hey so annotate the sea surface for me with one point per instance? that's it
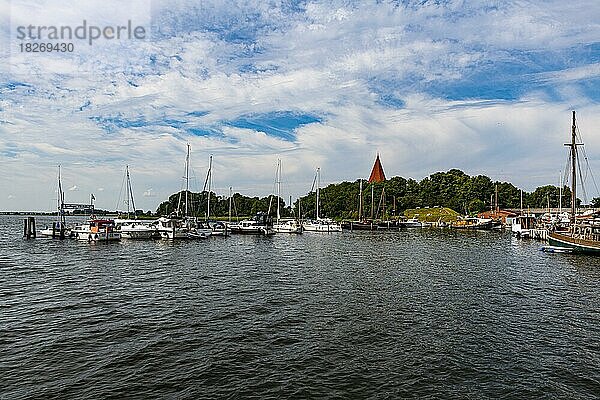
(412, 314)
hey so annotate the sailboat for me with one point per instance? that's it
(133, 228)
(362, 224)
(583, 234)
(289, 225)
(320, 224)
(59, 228)
(180, 226)
(217, 228)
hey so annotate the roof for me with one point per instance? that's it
(377, 174)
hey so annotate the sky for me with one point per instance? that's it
(483, 86)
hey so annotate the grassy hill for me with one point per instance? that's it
(432, 214)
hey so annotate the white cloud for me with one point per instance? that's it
(330, 60)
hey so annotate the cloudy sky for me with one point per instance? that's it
(484, 86)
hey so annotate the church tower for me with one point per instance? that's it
(377, 174)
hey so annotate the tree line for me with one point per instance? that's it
(453, 189)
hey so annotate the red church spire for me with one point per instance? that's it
(377, 174)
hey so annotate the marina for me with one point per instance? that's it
(577, 232)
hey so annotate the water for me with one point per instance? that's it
(418, 314)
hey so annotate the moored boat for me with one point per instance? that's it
(580, 239)
(523, 225)
(583, 234)
(473, 223)
(410, 223)
(261, 224)
(97, 231)
(136, 229)
(287, 226)
(320, 224)
(172, 228)
(59, 228)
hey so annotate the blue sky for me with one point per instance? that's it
(483, 86)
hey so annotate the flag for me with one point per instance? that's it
(93, 197)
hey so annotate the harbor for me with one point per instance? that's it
(577, 231)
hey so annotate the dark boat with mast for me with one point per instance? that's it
(583, 235)
(59, 228)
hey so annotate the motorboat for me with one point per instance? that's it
(136, 229)
(261, 224)
(473, 223)
(97, 231)
(288, 226)
(410, 223)
(321, 225)
(172, 228)
(523, 225)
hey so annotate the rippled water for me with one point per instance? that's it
(419, 314)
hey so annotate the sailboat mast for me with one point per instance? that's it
(127, 188)
(573, 167)
(496, 199)
(59, 194)
(209, 187)
(129, 193)
(560, 185)
(372, 199)
(230, 199)
(187, 178)
(360, 201)
(278, 187)
(60, 200)
(318, 188)
(521, 201)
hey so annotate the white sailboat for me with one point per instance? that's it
(178, 226)
(133, 228)
(217, 228)
(288, 225)
(320, 224)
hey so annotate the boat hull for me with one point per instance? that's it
(137, 234)
(322, 228)
(580, 246)
(98, 237)
(409, 224)
(287, 229)
(360, 226)
(252, 231)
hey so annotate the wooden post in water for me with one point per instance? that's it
(29, 228)
(53, 230)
